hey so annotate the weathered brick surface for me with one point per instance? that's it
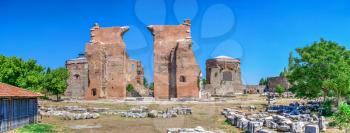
(186, 66)
(107, 63)
(166, 65)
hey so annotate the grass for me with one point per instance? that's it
(207, 115)
(37, 128)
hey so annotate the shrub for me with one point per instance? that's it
(280, 90)
(327, 108)
(342, 116)
(130, 88)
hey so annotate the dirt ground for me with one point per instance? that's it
(207, 115)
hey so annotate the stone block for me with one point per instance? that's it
(311, 129)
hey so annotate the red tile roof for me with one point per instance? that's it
(7, 90)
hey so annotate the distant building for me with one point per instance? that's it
(78, 79)
(223, 76)
(254, 89)
(18, 107)
(273, 82)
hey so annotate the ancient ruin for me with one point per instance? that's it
(273, 82)
(223, 76)
(176, 71)
(106, 70)
(78, 79)
(254, 89)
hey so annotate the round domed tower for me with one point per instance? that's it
(223, 76)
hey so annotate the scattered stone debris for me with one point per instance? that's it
(198, 129)
(280, 119)
(69, 113)
(295, 108)
(78, 113)
(143, 112)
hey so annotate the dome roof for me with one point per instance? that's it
(226, 58)
(223, 57)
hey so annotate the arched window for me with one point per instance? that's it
(182, 79)
(76, 76)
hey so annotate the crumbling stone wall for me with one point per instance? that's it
(254, 89)
(78, 78)
(187, 71)
(108, 61)
(223, 76)
(273, 82)
(170, 62)
(135, 77)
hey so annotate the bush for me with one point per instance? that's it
(130, 88)
(280, 90)
(327, 108)
(342, 116)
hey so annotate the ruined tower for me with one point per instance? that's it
(176, 71)
(223, 76)
(107, 61)
(78, 78)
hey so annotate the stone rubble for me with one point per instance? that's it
(69, 113)
(281, 119)
(77, 113)
(143, 112)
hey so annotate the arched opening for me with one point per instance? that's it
(182, 79)
(93, 92)
(76, 76)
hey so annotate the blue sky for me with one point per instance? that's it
(260, 33)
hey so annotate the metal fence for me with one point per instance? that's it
(16, 112)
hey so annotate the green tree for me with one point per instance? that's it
(342, 117)
(24, 74)
(286, 71)
(280, 89)
(290, 61)
(145, 82)
(151, 86)
(56, 81)
(204, 81)
(321, 67)
(129, 88)
(263, 81)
